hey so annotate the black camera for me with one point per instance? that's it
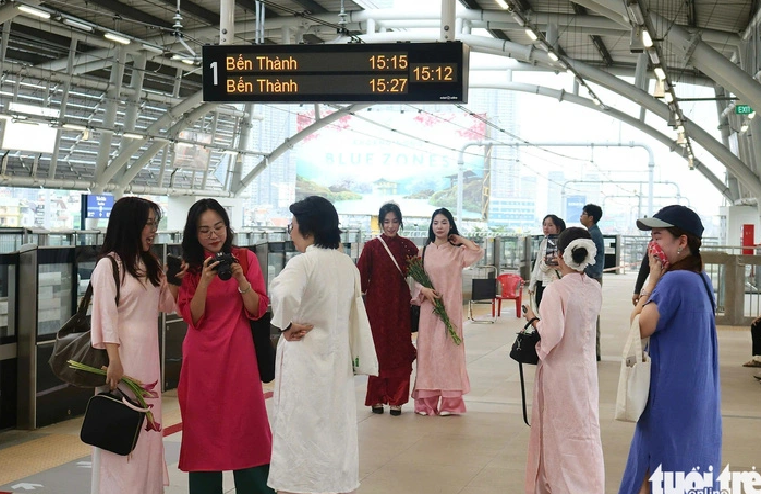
(174, 265)
(224, 268)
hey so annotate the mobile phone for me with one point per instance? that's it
(174, 265)
(524, 309)
(656, 250)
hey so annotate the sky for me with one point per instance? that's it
(544, 119)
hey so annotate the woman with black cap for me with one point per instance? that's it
(680, 428)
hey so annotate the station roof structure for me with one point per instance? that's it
(125, 75)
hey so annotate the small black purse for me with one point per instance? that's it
(524, 352)
(524, 346)
(112, 422)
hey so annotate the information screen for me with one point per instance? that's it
(378, 73)
(97, 206)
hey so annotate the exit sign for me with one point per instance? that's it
(743, 110)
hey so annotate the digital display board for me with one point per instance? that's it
(378, 73)
(97, 206)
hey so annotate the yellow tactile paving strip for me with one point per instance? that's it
(34, 456)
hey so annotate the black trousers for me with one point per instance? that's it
(247, 481)
(538, 292)
(755, 334)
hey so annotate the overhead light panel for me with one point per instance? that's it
(690, 162)
(78, 25)
(660, 89)
(153, 48)
(680, 128)
(654, 57)
(519, 19)
(33, 12)
(6, 93)
(597, 102)
(660, 73)
(503, 4)
(117, 39)
(38, 111)
(681, 139)
(744, 127)
(131, 135)
(646, 39)
(531, 34)
(668, 97)
(635, 12)
(751, 116)
(552, 56)
(74, 127)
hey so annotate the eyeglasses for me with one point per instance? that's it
(152, 225)
(289, 229)
(206, 231)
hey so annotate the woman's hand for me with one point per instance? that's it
(656, 269)
(430, 294)
(635, 298)
(114, 373)
(529, 314)
(209, 270)
(456, 239)
(297, 331)
(237, 271)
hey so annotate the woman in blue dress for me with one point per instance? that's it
(680, 428)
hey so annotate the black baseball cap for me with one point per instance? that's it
(681, 217)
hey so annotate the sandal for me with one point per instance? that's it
(378, 408)
(395, 410)
(752, 363)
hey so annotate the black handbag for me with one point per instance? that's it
(524, 347)
(524, 352)
(260, 332)
(73, 343)
(112, 422)
(415, 318)
(265, 352)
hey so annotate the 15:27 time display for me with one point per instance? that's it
(392, 85)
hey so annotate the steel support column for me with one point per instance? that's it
(64, 100)
(112, 105)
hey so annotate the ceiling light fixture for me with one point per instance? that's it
(646, 39)
(531, 34)
(117, 38)
(34, 12)
(74, 127)
(660, 73)
(78, 25)
(132, 135)
(552, 56)
(668, 97)
(503, 4)
(153, 48)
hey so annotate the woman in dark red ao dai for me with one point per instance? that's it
(387, 301)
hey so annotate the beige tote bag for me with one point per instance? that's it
(634, 378)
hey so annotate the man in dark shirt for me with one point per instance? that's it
(590, 216)
(644, 272)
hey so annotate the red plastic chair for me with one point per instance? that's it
(512, 289)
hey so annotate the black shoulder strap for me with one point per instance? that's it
(426, 245)
(523, 394)
(117, 282)
(85, 303)
(708, 291)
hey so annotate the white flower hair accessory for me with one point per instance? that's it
(576, 244)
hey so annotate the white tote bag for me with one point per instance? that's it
(364, 360)
(634, 379)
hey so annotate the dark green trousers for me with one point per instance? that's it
(247, 481)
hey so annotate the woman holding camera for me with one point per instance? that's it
(565, 448)
(543, 274)
(225, 424)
